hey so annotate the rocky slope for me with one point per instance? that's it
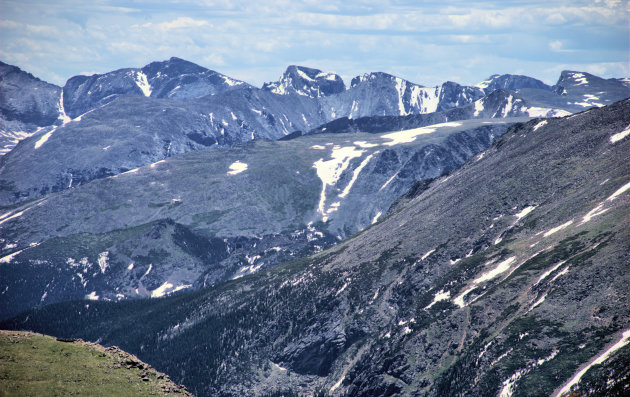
(505, 277)
(34, 364)
(209, 216)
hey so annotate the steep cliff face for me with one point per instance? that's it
(505, 277)
(26, 104)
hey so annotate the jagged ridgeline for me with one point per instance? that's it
(103, 125)
(508, 276)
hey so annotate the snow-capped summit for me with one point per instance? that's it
(178, 78)
(175, 78)
(585, 90)
(307, 82)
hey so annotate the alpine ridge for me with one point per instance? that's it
(134, 117)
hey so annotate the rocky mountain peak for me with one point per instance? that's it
(173, 66)
(511, 82)
(376, 77)
(306, 81)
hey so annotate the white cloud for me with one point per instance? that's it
(178, 23)
(555, 45)
(255, 41)
(555, 19)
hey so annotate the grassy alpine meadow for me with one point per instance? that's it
(40, 365)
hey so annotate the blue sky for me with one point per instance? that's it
(427, 42)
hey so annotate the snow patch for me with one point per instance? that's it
(342, 288)
(613, 196)
(364, 144)
(161, 290)
(478, 108)
(44, 138)
(329, 171)
(148, 270)
(502, 267)
(484, 84)
(143, 83)
(181, 287)
(459, 300)
(237, 167)
(13, 216)
(378, 215)
(407, 136)
(623, 341)
(388, 181)
(92, 296)
(133, 171)
(62, 111)
(579, 78)
(548, 272)
(510, 383)
(278, 367)
(102, 261)
(304, 75)
(9, 258)
(542, 123)
(426, 255)
(538, 302)
(562, 273)
(401, 85)
(524, 212)
(355, 174)
(336, 385)
(439, 296)
(594, 212)
(231, 82)
(557, 228)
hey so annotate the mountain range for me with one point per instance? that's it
(505, 277)
(313, 238)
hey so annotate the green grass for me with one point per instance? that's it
(39, 365)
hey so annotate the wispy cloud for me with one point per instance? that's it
(178, 23)
(255, 41)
